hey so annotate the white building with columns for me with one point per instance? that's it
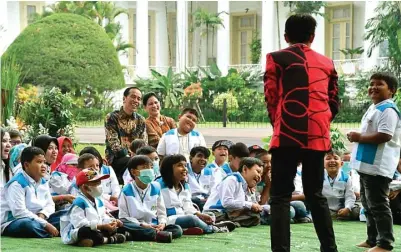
(164, 35)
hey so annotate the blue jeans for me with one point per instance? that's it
(189, 221)
(30, 228)
(148, 234)
(300, 209)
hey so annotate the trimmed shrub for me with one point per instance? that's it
(67, 51)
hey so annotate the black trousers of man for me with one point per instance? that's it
(284, 167)
(119, 165)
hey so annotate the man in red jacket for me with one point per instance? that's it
(301, 95)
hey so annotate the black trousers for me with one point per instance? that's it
(395, 206)
(119, 165)
(284, 167)
(95, 235)
(379, 220)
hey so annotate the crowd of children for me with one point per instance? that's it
(176, 189)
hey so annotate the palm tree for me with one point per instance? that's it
(207, 21)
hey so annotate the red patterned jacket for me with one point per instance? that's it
(301, 95)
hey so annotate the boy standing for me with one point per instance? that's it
(27, 208)
(375, 157)
(182, 139)
(86, 223)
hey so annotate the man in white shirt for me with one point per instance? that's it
(229, 200)
(27, 208)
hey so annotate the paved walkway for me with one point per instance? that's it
(248, 136)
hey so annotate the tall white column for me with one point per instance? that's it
(223, 37)
(3, 26)
(142, 38)
(319, 42)
(269, 29)
(123, 20)
(182, 35)
(161, 39)
(370, 62)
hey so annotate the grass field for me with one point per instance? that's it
(243, 239)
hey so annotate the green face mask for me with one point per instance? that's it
(146, 176)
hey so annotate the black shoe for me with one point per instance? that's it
(117, 238)
(228, 224)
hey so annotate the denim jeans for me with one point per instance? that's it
(379, 220)
(30, 228)
(189, 221)
(149, 234)
(300, 209)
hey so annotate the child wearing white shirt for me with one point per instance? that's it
(141, 205)
(27, 208)
(375, 157)
(230, 202)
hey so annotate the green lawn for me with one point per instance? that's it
(243, 239)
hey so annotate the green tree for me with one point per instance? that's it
(52, 112)
(67, 51)
(168, 86)
(256, 48)
(386, 26)
(305, 7)
(103, 13)
(206, 22)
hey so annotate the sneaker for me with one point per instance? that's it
(164, 237)
(128, 236)
(223, 229)
(228, 224)
(117, 238)
(193, 231)
(85, 243)
(304, 220)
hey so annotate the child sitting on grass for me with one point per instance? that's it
(87, 224)
(229, 200)
(141, 205)
(177, 199)
(337, 188)
(27, 208)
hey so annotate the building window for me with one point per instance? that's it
(30, 13)
(340, 30)
(243, 28)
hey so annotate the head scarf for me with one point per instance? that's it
(60, 154)
(15, 155)
(68, 165)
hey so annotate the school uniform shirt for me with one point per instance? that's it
(59, 183)
(110, 185)
(379, 159)
(216, 175)
(199, 183)
(83, 213)
(142, 205)
(177, 203)
(23, 197)
(338, 191)
(298, 182)
(229, 195)
(356, 184)
(174, 143)
(219, 174)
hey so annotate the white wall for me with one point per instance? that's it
(13, 24)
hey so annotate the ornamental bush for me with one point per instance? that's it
(67, 51)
